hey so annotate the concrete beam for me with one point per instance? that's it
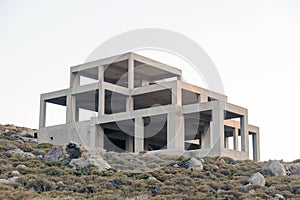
(101, 62)
(199, 90)
(164, 67)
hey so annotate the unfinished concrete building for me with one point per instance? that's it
(142, 105)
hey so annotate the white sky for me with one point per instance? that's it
(254, 44)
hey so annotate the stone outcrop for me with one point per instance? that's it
(274, 168)
(90, 159)
(293, 169)
(195, 165)
(257, 179)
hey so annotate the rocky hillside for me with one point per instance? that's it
(42, 171)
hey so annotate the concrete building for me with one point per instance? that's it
(142, 105)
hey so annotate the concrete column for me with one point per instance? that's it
(74, 79)
(138, 134)
(207, 136)
(218, 127)
(129, 101)
(176, 95)
(71, 109)
(130, 73)
(175, 131)
(43, 108)
(236, 139)
(96, 137)
(244, 133)
(101, 94)
(129, 143)
(256, 146)
(226, 142)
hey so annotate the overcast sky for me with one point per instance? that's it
(255, 46)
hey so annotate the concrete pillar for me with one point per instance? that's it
(138, 134)
(96, 137)
(207, 136)
(218, 127)
(176, 95)
(129, 101)
(43, 108)
(236, 139)
(256, 146)
(101, 94)
(74, 79)
(226, 142)
(130, 73)
(175, 131)
(72, 114)
(244, 133)
(129, 143)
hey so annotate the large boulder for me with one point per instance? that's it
(56, 153)
(69, 151)
(90, 159)
(293, 169)
(195, 165)
(257, 179)
(274, 168)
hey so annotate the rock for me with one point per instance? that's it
(90, 159)
(176, 165)
(152, 178)
(293, 169)
(70, 150)
(21, 166)
(222, 162)
(257, 179)
(15, 173)
(278, 196)
(25, 139)
(252, 192)
(22, 153)
(56, 153)
(3, 180)
(274, 168)
(195, 165)
(12, 179)
(73, 150)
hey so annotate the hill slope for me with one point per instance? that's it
(26, 174)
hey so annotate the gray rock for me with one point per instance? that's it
(195, 165)
(22, 153)
(25, 139)
(15, 173)
(56, 153)
(274, 168)
(12, 179)
(152, 178)
(21, 166)
(293, 169)
(70, 150)
(279, 196)
(252, 192)
(90, 159)
(257, 179)
(73, 150)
